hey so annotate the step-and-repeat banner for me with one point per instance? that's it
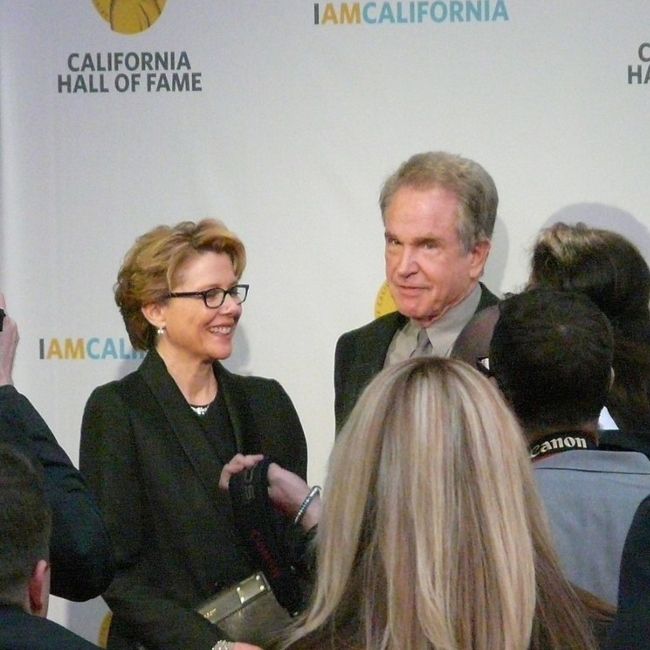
(283, 119)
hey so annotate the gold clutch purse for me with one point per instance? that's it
(247, 611)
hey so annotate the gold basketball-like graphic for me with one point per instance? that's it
(130, 16)
(384, 303)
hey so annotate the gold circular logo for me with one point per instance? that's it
(384, 303)
(130, 16)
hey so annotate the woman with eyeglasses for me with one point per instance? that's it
(153, 443)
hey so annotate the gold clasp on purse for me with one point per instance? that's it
(251, 587)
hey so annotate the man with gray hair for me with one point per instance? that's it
(438, 211)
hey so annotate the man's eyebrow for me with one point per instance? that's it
(418, 241)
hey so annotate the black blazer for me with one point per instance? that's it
(155, 473)
(80, 549)
(22, 631)
(631, 628)
(360, 355)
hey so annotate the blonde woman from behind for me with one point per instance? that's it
(432, 534)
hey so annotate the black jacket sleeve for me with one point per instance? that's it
(80, 549)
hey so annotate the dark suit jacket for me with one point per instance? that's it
(80, 549)
(617, 440)
(360, 355)
(22, 631)
(155, 471)
(631, 629)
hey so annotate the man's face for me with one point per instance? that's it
(427, 268)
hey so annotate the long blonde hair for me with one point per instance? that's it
(431, 530)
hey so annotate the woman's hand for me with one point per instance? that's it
(287, 490)
(237, 464)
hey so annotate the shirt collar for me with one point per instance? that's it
(442, 332)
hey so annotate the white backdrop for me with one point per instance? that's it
(287, 136)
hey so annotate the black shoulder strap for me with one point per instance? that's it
(259, 527)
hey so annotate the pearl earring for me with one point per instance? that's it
(160, 331)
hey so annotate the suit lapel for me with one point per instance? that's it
(373, 351)
(237, 406)
(487, 299)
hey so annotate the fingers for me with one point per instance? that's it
(237, 463)
(241, 462)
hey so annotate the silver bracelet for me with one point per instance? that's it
(313, 493)
(223, 645)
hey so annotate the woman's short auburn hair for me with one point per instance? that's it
(151, 267)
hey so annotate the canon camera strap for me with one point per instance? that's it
(556, 443)
(261, 531)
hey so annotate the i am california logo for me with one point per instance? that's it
(413, 12)
(93, 348)
(130, 16)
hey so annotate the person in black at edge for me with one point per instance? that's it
(631, 628)
(81, 556)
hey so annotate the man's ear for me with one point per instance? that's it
(154, 312)
(479, 254)
(39, 589)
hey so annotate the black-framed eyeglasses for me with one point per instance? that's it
(214, 298)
